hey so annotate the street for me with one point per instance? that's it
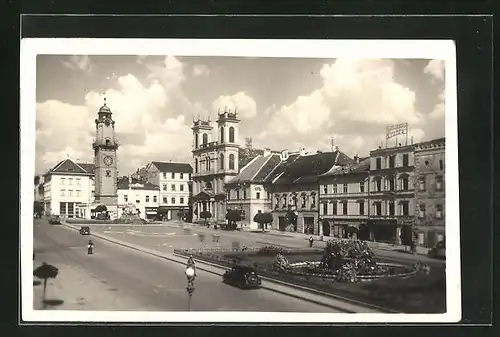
(118, 278)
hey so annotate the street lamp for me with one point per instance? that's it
(190, 274)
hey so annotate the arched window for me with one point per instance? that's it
(205, 139)
(222, 134)
(231, 161)
(377, 184)
(405, 182)
(231, 134)
(196, 164)
(221, 161)
(196, 141)
(207, 164)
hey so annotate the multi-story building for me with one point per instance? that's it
(343, 199)
(174, 181)
(430, 194)
(215, 163)
(246, 191)
(294, 187)
(392, 192)
(69, 189)
(38, 188)
(138, 197)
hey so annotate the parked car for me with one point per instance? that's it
(85, 230)
(439, 251)
(242, 276)
(55, 220)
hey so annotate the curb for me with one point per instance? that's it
(372, 308)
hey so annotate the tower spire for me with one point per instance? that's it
(104, 99)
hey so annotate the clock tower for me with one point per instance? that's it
(105, 146)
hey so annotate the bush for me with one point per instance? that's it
(270, 251)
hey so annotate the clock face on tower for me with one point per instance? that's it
(108, 160)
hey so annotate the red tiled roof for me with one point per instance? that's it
(173, 167)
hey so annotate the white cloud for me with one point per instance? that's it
(201, 70)
(439, 112)
(79, 62)
(246, 105)
(436, 69)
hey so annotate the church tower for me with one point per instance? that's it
(105, 146)
(228, 123)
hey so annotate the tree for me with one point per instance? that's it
(205, 215)
(101, 208)
(38, 207)
(233, 216)
(292, 218)
(45, 271)
(263, 219)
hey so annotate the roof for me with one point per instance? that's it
(123, 184)
(88, 167)
(173, 167)
(280, 168)
(361, 166)
(68, 166)
(438, 142)
(246, 155)
(257, 169)
(307, 169)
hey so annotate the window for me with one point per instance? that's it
(391, 184)
(231, 161)
(344, 208)
(268, 195)
(378, 185)
(276, 205)
(62, 208)
(313, 201)
(334, 208)
(325, 189)
(108, 173)
(378, 208)
(325, 208)
(205, 139)
(172, 200)
(244, 194)
(344, 188)
(125, 198)
(405, 160)
(379, 164)
(147, 198)
(421, 213)
(257, 195)
(284, 202)
(164, 175)
(361, 208)
(77, 193)
(70, 193)
(182, 175)
(231, 134)
(441, 164)
(439, 211)
(421, 184)
(334, 188)
(78, 181)
(196, 165)
(303, 202)
(137, 201)
(173, 175)
(196, 141)
(155, 198)
(63, 193)
(181, 187)
(181, 200)
(63, 180)
(392, 161)
(164, 187)
(237, 194)
(362, 186)
(439, 183)
(70, 181)
(165, 200)
(173, 187)
(405, 208)
(189, 176)
(404, 183)
(222, 134)
(391, 208)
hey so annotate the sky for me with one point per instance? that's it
(283, 103)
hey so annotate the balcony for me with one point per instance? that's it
(206, 145)
(105, 144)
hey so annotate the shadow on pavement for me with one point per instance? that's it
(36, 283)
(52, 302)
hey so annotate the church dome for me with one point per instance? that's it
(104, 108)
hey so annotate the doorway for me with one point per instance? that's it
(326, 228)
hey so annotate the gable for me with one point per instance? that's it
(68, 167)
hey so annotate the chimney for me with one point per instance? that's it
(267, 152)
(284, 155)
(336, 148)
(302, 151)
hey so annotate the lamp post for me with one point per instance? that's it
(190, 274)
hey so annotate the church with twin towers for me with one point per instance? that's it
(215, 161)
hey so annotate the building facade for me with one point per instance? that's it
(246, 191)
(343, 200)
(138, 197)
(69, 189)
(294, 188)
(105, 146)
(174, 180)
(392, 192)
(430, 194)
(216, 162)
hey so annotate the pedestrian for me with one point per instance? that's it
(90, 247)
(311, 241)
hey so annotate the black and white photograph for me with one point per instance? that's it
(181, 180)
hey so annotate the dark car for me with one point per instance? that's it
(55, 220)
(242, 276)
(85, 230)
(439, 251)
